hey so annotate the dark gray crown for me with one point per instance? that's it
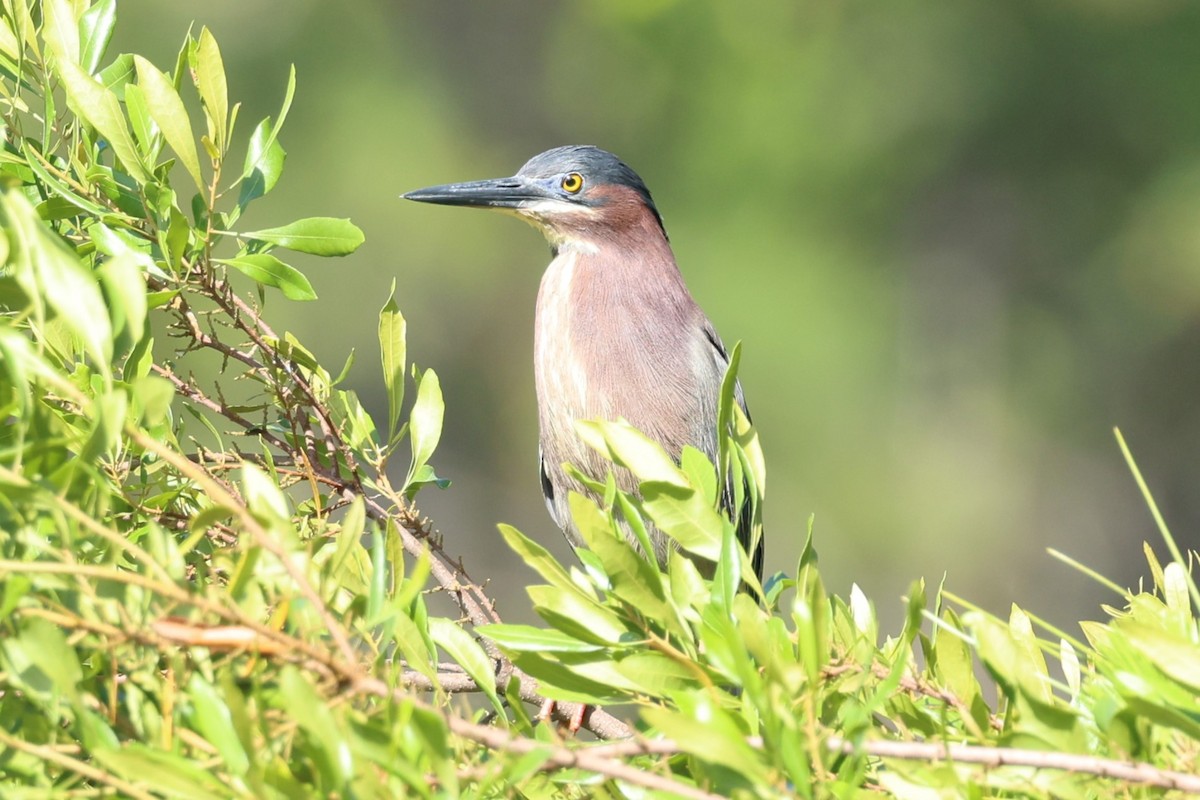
(595, 165)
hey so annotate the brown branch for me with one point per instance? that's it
(192, 392)
(474, 603)
(557, 756)
(222, 495)
(1126, 771)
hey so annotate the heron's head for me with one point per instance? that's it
(575, 194)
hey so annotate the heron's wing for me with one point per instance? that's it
(548, 491)
(744, 519)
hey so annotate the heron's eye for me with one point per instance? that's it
(572, 183)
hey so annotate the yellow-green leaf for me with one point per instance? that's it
(102, 111)
(214, 92)
(168, 112)
(392, 352)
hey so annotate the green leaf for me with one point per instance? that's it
(632, 577)
(125, 290)
(170, 774)
(330, 748)
(951, 660)
(60, 29)
(726, 403)
(1021, 628)
(348, 538)
(45, 267)
(141, 124)
(467, 653)
(577, 616)
(709, 735)
(528, 639)
(1175, 594)
(392, 352)
(102, 110)
(747, 439)
(632, 517)
(34, 160)
(700, 473)
(273, 130)
(630, 448)
(425, 422)
(561, 681)
(270, 271)
(95, 32)
(318, 236)
(116, 75)
(1176, 656)
(264, 164)
(167, 110)
(658, 675)
(42, 659)
(215, 723)
(263, 495)
(214, 93)
(538, 558)
(414, 646)
(686, 516)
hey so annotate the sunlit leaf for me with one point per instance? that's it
(630, 448)
(167, 110)
(214, 94)
(526, 638)
(319, 236)
(392, 353)
(100, 108)
(270, 271)
(425, 421)
(47, 268)
(467, 653)
(95, 32)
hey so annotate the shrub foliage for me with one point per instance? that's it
(214, 581)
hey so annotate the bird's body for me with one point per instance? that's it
(617, 334)
(618, 367)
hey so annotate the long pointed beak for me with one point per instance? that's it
(512, 192)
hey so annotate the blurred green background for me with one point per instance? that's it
(959, 241)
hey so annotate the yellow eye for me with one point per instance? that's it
(572, 183)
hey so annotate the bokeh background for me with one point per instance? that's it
(960, 242)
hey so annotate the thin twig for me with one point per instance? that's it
(221, 495)
(1127, 771)
(556, 756)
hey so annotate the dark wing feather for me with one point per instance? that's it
(548, 490)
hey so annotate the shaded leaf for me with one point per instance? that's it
(263, 165)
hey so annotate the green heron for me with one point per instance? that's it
(616, 334)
